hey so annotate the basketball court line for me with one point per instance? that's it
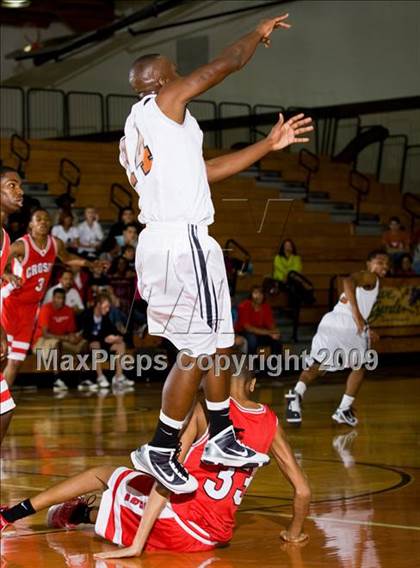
(335, 520)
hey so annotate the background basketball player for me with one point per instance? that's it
(33, 256)
(344, 332)
(181, 271)
(11, 200)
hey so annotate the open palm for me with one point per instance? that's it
(286, 133)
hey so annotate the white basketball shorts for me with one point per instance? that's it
(182, 277)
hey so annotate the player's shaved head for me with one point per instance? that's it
(150, 72)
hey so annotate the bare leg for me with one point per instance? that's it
(11, 371)
(180, 388)
(309, 375)
(94, 479)
(98, 369)
(354, 382)
(4, 424)
(119, 348)
(217, 383)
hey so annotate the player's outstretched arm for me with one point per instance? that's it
(173, 96)
(72, 259)
(302, 494)
(159, 495)
(282, 134)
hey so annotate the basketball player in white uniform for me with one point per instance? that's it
(180, 268)
(342, 340)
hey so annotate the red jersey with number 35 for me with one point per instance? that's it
(220, 490)
(35, 271)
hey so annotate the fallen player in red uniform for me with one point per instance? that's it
(137, 513)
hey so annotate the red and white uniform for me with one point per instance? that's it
(20, 305)
(6, 401)
(188, 523)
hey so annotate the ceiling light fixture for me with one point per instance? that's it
(15, 3)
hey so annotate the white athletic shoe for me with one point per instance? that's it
(346, 416)
(122, 381)
(60, 386)
(87, 386)
(293, 409)
(102, 382)
(225, 449)
(163, 465)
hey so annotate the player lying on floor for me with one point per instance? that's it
(137, 513)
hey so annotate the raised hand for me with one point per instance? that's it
(266, 27)
(286, 133)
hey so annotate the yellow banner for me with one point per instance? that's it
(398, 303)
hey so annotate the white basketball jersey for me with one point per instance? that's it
(167, 160)
(365, 300)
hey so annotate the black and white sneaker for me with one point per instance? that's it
(225, 449)
(293, 409)
(345, 417)
(163, 465)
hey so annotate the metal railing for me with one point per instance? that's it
(361, 185)
(20, 148)
(411, 204)
(116, 192)
(70, 174)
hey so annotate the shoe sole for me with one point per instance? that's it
(144, 468)
(228, 462)
(339, 421)
(294, 420)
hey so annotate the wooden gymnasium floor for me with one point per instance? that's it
(366, 491)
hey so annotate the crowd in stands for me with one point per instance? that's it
(94, 309)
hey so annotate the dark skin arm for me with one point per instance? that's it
(350, 283)
(71, 259)
(302, 494)
(282, 134)
(174, 96)
(159, 495)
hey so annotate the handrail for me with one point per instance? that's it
(406, 206)
(407, 148)
(32, 90)
(111, 96)
(243, 250)
(15, 140)
(89, 93)
(22, 106)
(71, 182)
(404, 138)
(310, 162)
(113, 197)
(361, 184)
(220, 107)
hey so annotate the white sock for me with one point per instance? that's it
(218, 405)
(346, 402)
(300, 388)
(177, 424)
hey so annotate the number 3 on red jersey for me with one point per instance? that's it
(226, 477)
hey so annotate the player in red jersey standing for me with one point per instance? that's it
(32, 257)
(11, 199)
(132, 511)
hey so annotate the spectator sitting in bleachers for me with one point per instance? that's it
(81, 278)
(287, 272)
(129, 253)
(416, 251)
(66, 283)
(66, 232)
(396, 240)
(100, 332)
(122, 281)
(129, 237)
(405, 266)
(56, 330)
(256, 323)
(126, 217)
(90, 234)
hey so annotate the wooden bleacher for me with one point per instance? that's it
(327, 248)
